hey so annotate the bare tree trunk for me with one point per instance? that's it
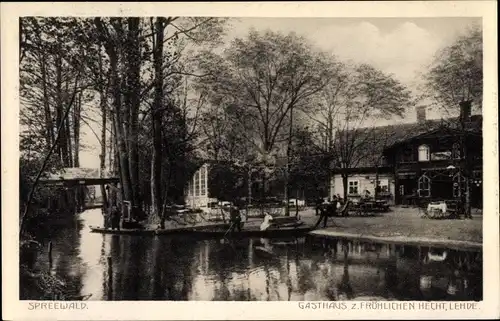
(154, 198)
(249, 201)
(465, 164)
(112, 158)
(156, 192)
(68, 144)
(102, 156)
(68, 131)
(76, 130)
(59, 119)
(118, 125)
(344, 183)
(49, 126)
(286, 190)
(133, 85)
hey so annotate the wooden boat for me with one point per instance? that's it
(264, 252)
(269, 233)
(185, 230)
(122, 231)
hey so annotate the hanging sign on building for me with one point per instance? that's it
(441, 155)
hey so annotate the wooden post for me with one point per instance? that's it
(110, 269)
(110, 277)
(104, 196)
(50, 255)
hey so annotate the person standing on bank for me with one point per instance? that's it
(319, 203)
(329, 209)
(115, 217)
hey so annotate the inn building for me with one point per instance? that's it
(419, 161)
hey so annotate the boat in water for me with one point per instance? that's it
(269, 233)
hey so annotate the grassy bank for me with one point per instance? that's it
(404, 223)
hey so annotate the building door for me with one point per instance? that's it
(442, 189)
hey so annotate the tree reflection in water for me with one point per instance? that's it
(175, 268)
(344, 288)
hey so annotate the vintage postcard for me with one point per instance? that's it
(291, 160)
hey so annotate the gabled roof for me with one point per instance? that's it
(71, 176)
(75, 173)
(376, 140)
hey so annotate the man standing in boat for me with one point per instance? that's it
(235, 216)
(115, 210)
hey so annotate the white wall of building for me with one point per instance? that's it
(196, 194)
(362, 182)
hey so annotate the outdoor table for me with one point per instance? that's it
(438, 208)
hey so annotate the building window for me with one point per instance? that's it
(197, 183)
(423, 153)
(353, 187)
(406, 156)
(383, 185)
(203, 181)
(424, 186)
(455, 152)
(190, 189)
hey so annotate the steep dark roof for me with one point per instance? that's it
(376, 140)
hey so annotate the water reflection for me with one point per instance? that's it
(164, 268)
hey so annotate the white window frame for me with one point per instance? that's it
(421, 181)
(190, 188)
(203, 182)
(424, 153)
(354, 185)
(386, 184)
(197, 183)
(456, 152)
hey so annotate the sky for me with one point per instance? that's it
(402, 47)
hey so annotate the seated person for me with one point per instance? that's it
(267, 222)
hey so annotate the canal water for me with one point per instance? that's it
(307, 268)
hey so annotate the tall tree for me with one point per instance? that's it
(52, 56)
(263, 77)
(354, 99)
(157, 112)
(111, 36)
(133, 56)
(455, 82)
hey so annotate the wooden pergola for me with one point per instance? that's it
(71, 182)
(77, 179)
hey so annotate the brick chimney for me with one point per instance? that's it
(465, 110)
(421, 117)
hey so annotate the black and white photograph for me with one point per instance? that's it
(227, 158)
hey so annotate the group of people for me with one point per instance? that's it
(236, 220)
(330, 208)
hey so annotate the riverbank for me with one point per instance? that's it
(400, 225)
(403, 225)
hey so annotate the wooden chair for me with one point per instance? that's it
(344, 208)
(422, 208)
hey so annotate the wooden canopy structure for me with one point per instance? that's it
(74, 183)
(77, 176)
